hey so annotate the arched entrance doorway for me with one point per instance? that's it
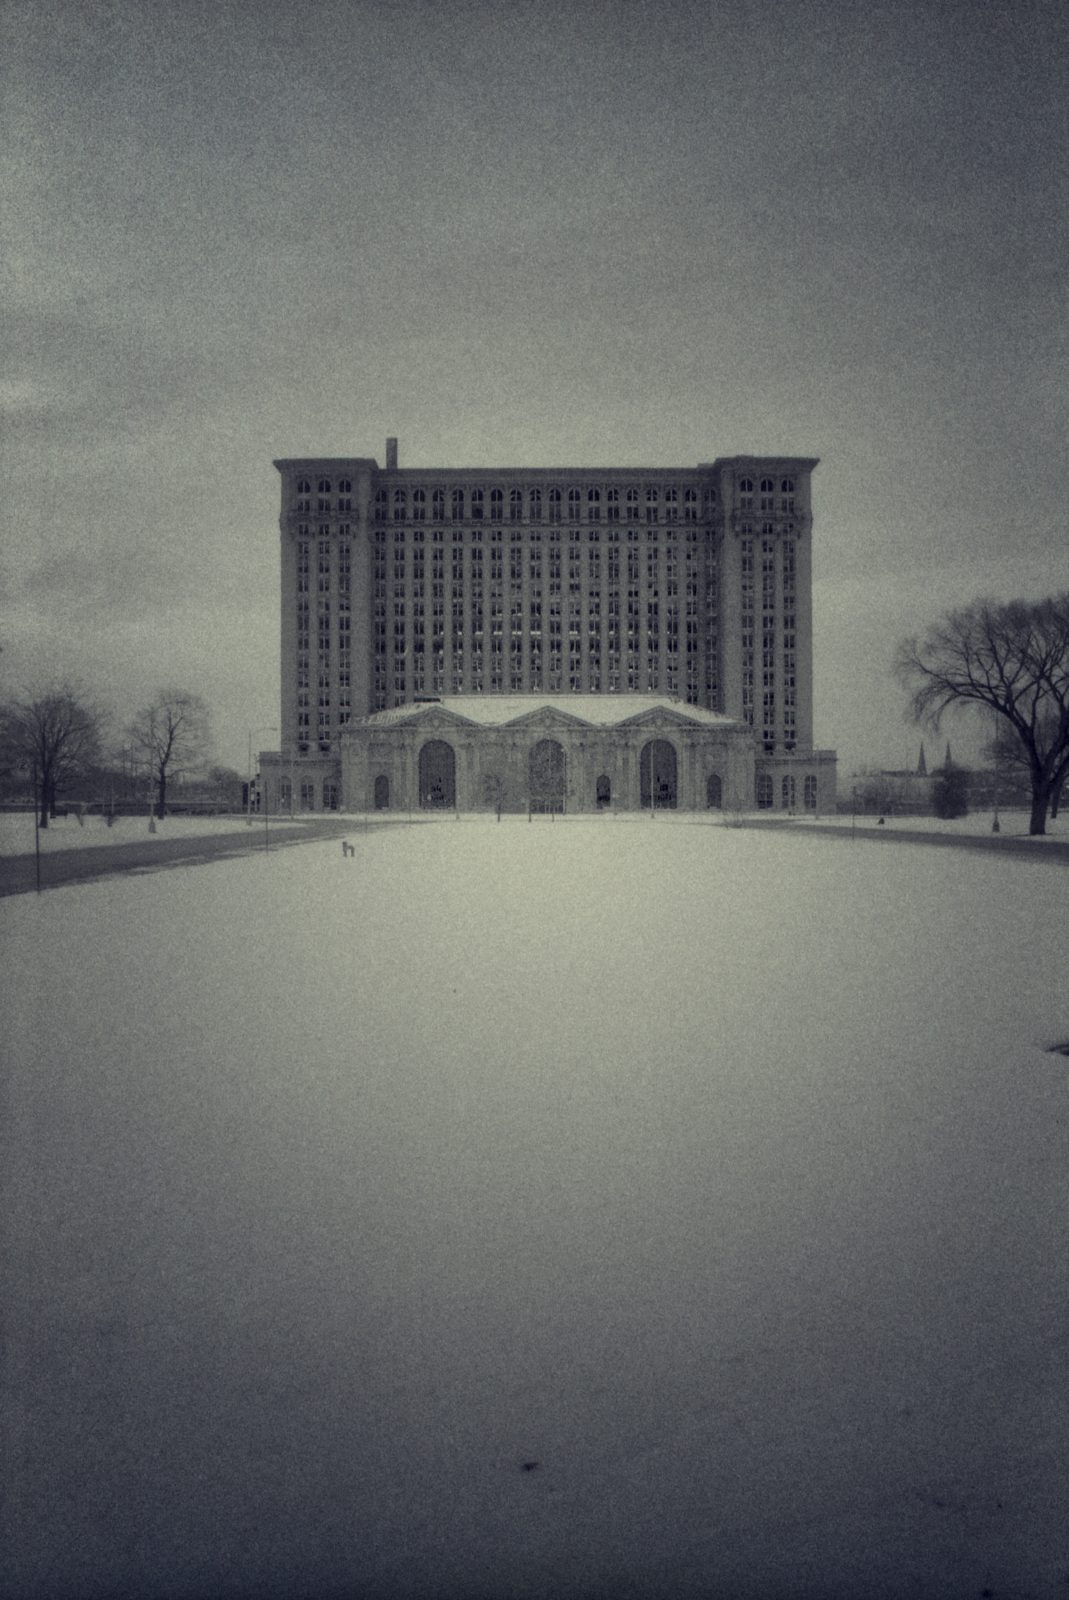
(658, 775)
(382, 792)
(437, 776)
(713, 792)
(603, 792)
(545, 776)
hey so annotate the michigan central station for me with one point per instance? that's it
(551, 639)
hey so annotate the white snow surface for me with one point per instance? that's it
(1012, 824)
(67, 833)
(540, 1210)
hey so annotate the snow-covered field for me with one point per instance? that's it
(540, 1210)
(67, 833)
(1012, 824)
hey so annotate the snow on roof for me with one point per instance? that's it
(597, 710)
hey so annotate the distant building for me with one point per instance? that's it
(648, 629)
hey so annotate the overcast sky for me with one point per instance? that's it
(614, 232)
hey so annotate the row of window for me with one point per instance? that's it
(603, 793)
(653, 504)
(671, 493)
(766, 792)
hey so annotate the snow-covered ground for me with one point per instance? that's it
(67, 833)
(540, 1210)
(1012, 824)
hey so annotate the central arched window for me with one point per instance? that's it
(714, 792)
(659, 775)
(545, 776)
(437, 776)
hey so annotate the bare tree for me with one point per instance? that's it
(52, 738)
(173, 735)
(1013, 659)
(495, 791)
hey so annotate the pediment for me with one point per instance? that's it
(662, 716)
(548, 717)
(439, 717)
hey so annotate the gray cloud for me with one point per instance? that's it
(616, 232)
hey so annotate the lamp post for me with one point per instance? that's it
(268, 727)
(36, 831)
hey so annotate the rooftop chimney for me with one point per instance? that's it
(391, 455)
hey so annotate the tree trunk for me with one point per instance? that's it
(161, 795)
(1040, 800)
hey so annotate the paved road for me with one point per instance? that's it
(58, 867)
(1053, 850)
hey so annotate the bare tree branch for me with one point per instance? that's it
(173, 735)
(1012, 657)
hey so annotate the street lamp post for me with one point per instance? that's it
(268, 727)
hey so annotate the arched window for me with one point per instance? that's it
(476, 504)
(381, 504)
(382, 792)
(419, 505)
(458, 505)
(438, 505)
(323, 486)
(745, 494)
(399, 505)
(787, 486)
(809, 793)
(545, 776)
(652, 497)
(764, 792)
(515, 505)
(713, 792)
(767, 486)
(437, 776)
(658, 776)
(553, 499)
(497, 505)
(535, 505)
(593, 505)
(574, 502)
(787, 793)
(304, 487)
(603, 791)
(690, 505)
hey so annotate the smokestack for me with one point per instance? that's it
(391, 455)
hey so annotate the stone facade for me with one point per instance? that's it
(690, 586)
(554, 755)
